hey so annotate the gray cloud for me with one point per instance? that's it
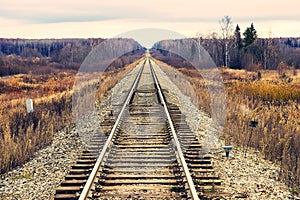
(185, 14)
(53, 11)
(56, 17)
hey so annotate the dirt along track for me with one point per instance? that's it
(149, 153)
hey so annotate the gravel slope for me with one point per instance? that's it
(251, 177)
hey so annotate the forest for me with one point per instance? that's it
(249, 51)
(46, 56)
(237, 50)
(19, 56)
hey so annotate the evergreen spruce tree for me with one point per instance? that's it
(250, 35)
(237, 37)
(236, 53)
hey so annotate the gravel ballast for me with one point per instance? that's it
(249, 178)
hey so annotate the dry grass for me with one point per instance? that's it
(34, 86)
(275, 106)
(21, 133)
(268, 91)
(266, 75)
(272, 101)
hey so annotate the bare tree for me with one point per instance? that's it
(199, 39)
(226, 28)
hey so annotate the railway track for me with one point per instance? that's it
(150, 153)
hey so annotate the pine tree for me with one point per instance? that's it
(236, 53)
(250, 35)
(237, 37)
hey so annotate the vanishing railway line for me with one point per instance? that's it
(150, 153)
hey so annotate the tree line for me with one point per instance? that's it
(245, 50)
(33, 55)
(43, 47)
(23, 56)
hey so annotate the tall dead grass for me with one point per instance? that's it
(276, 109)
(22, 133)
(274, 104)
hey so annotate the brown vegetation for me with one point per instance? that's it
(273, 102)
(275, 107)
(22, 133)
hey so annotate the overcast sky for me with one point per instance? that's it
(98, 18)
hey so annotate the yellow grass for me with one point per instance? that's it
(273, 102)
(21, 134)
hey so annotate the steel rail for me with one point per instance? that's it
(176, 141)
(87, 187)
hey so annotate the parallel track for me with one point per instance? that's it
(150, 153)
